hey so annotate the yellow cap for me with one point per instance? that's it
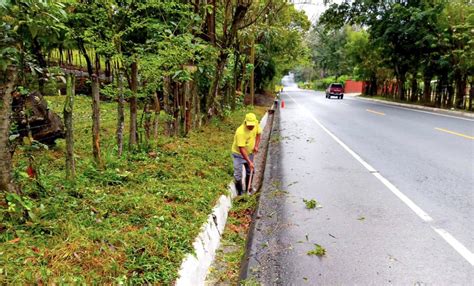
(251, 119)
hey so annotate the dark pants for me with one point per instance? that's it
(239, 161)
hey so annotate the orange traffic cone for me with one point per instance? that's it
(282, 104)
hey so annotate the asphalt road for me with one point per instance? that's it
(395, 188)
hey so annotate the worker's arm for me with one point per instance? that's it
(244, 154)
(257, 143)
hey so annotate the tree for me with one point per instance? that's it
(364, 58)
(26, 26)
(7, 87)
(68, 122)
(231, 23)
(38, 26)
(328, 51)
(458, 23)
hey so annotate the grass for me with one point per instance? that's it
(130, 223)
(229, 256)
(318, 251)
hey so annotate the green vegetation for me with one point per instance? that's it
(310, 204)
(323, 83)
(410, 51)
(131, 222)
(131, 202)
(318, 251)
(229, 256)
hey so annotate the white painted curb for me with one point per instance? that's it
(194, 268)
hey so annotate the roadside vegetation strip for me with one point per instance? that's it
(131, 223)
(455, 133)
(228, 261)
(226, 267)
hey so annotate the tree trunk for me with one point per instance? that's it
(133, 105)
(373, 86)
(439, 90)
(196, 114)
(167, 105)
(414, 89)
(461, 83)
(157, 108)
(67, 114)
(212, 96)
(120, 115)
(176, 111)
(61, 60)
(450, 96)
(471, 94)
(236, 78)
(211, 22)
(97, 64)
(7, 86)
(83, 50)
(108, 73)
(401, 87)
(96, 120)
(69, 57)
(36, 48)
(187, 107)
(427, 89)
(147, 123)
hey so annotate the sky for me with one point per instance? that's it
(313, 8)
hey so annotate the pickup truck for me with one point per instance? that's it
(335, 89)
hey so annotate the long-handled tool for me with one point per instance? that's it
(249, 184)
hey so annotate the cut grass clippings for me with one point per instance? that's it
(130, 223)
(311, 204)
(226, 266)
(318, 251)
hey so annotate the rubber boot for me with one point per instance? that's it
(239, 187)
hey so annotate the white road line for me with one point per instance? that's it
(461, 249)
(411, 109)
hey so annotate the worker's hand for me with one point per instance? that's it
(251, 166)
(255, 150)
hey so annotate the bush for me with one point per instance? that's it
(322, 84)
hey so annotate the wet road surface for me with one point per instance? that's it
(395, 189)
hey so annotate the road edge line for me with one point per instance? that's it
(459, 247)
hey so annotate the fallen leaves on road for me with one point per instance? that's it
(311, 204)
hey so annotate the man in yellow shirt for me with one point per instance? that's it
(246, 141)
